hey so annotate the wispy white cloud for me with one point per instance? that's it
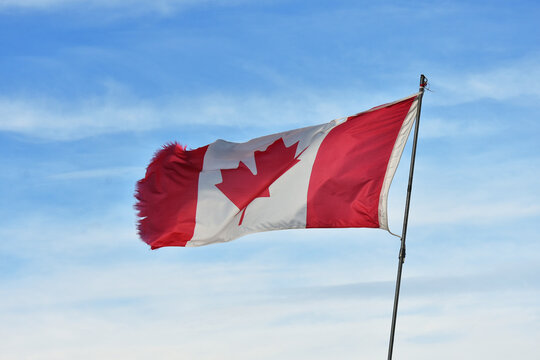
(437, 207)
(517, 80)
(244, 311)
(55, 120)
(118, 111)
(492, 186)
(39, 233)
(457, 212)
(434, 128)
(96, 173)
(163, 7)
(51, 119)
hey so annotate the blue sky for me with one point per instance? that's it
(90, 90)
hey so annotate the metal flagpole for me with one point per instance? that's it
(423, 83)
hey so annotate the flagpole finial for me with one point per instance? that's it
(423, 82)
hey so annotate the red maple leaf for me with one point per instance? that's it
(241, 186)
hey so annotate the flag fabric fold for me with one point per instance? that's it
(333, 175)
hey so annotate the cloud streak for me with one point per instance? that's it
(517, 81)
(53, 120)
(116, 112)
(214, 310)
(97, 173)
(162, 7)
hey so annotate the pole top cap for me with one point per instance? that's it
(423, 81)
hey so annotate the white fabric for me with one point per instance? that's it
(395, 156)
(287, 204)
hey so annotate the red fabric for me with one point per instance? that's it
(241, 186)
(271, 164)
(167, 196)
(349, 169)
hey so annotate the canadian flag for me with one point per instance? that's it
(333, 175)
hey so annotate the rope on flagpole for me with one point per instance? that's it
(402, 252)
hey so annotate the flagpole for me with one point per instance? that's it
(402, 252)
